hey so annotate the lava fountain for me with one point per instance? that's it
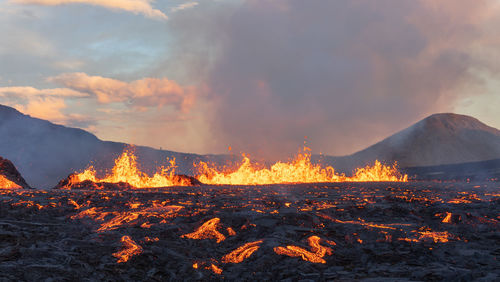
(126, 170)
(299, 170)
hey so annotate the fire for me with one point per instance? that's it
(242, 253)
(299, 170)
(126, 170)
(207, 231)
(7, 184)
(316, 255)
(130, 249)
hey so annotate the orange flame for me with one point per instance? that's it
(299, 170)
(207, 231)
(126, 170)
(130, 249)
(7, 184)
(316, 256)
(242, 253)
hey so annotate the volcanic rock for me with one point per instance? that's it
(9, 171)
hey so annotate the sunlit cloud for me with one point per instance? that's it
(184, 6)
(134, 6)
(143, 93)
(48, 104)
(27, 91)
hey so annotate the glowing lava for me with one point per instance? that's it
(242, 253)
(316, 255)
(299, 170)
(126, 170)
(130, 249)
(207, 231)
(7, 184)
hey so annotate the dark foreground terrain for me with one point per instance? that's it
(366, 231)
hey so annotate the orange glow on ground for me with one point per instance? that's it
(130, 249)
(316, 255)
(242, 253)
(207, 231)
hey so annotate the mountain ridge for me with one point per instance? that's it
(45, 153)
(439, 139)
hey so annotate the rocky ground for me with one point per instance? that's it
(318, 232)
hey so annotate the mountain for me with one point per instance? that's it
(436, 140)
(45, 153)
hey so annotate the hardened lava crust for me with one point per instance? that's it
(326, 231)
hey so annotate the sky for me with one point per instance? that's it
(257, 76)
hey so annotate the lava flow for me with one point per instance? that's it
(130, 249)
(207, 231)
(7, 184)
(127, 171)
(242, 253)
(299, 170)
(316, 256)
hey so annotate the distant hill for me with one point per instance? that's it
(45, 153)
(436, 140)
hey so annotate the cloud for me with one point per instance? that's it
(143, 93)
(184, 6)
(344, 73)
(48, 104)
(134, 6)
(27, 91)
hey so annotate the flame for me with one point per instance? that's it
(316, 256)
(207, 231)
(7, 184)
(130, 249)
(299, 170)
(126, 170)
(242, 253)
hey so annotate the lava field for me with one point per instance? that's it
(319, 232)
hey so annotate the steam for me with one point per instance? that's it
(345, 74)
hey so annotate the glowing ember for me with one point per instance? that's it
(130, 249)
(436, 237)
(242, 253)
(447, 219)
(126, 170)
(207, 231)
(316, 256)
(433, 236)
(300, 170)
(215, 269)
(7, 184)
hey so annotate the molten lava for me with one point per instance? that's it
(299, 170)
(126, 170)
(130, 249)
(7, 184)
(316, 256)
(242, 253)
(207, 231)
